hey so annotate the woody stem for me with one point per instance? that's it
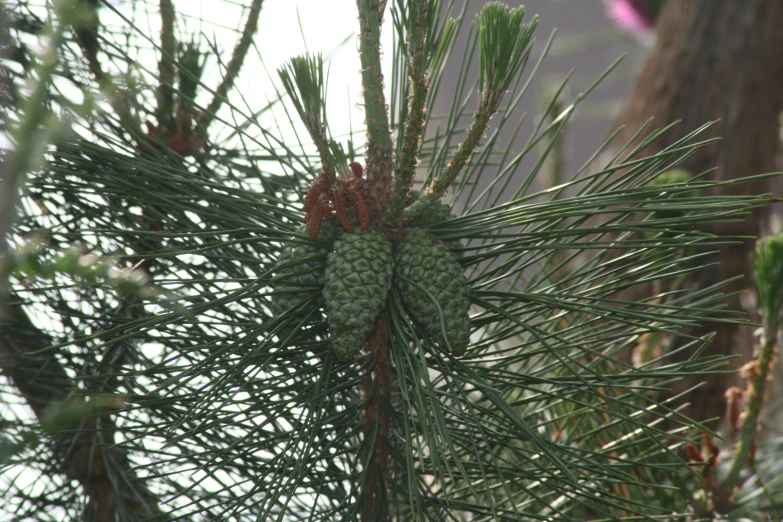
(378, 167)
(750, 421)
(377, 414)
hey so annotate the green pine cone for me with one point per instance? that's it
(357, 280)
(436, 213)
(673, 176)
(429, 278)
(433, 214)
(304, 281)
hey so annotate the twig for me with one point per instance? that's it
(379, 143)
(166, 66)
(303, 80)
(466, 149)
(749, 428)
(87, 35)
(504, 48)
(419, 86)
(34, 127)
(768, 269)
(378, 391)
(89, 42)
(233, 67)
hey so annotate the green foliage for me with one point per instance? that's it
(26, 266)
(503, 46)
(727, 495)
(190, 69)
(768, 268)
(36, 125)
(303, 79)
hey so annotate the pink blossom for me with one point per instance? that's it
(633, 15)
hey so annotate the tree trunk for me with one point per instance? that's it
(718, 61)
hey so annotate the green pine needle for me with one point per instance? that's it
(504, 41)
(190, 68)
(303, 80)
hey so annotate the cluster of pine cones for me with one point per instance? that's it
(351, 274)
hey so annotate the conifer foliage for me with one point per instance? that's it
(203, 322)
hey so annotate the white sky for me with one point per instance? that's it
(324, 23)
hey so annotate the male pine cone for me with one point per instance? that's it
(434, 289)
(356, 283)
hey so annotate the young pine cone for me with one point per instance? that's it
(436, 213)
(356, 283)
(304, 281)
(431, 283)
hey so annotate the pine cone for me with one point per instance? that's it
(357, 280)
(436, 213)
(673, 176)
(306, 280)
(433, 214)
(426, 273)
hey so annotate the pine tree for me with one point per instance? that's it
(212, 328)
(694, 83)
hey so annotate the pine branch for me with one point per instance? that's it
(378, 169)
(750, 420)
(768, 268)
(190, 68)
(167, 67)
(31, 134)
(380, 150)
(540, 420)
(303, 80)
(419, 86)
(87, 34)
(233, 68)
(428, 41)
(9, 50)
(503, 51)
(86, 452)
(378, 391)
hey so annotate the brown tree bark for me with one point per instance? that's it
(718, 60)
(378, 391)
